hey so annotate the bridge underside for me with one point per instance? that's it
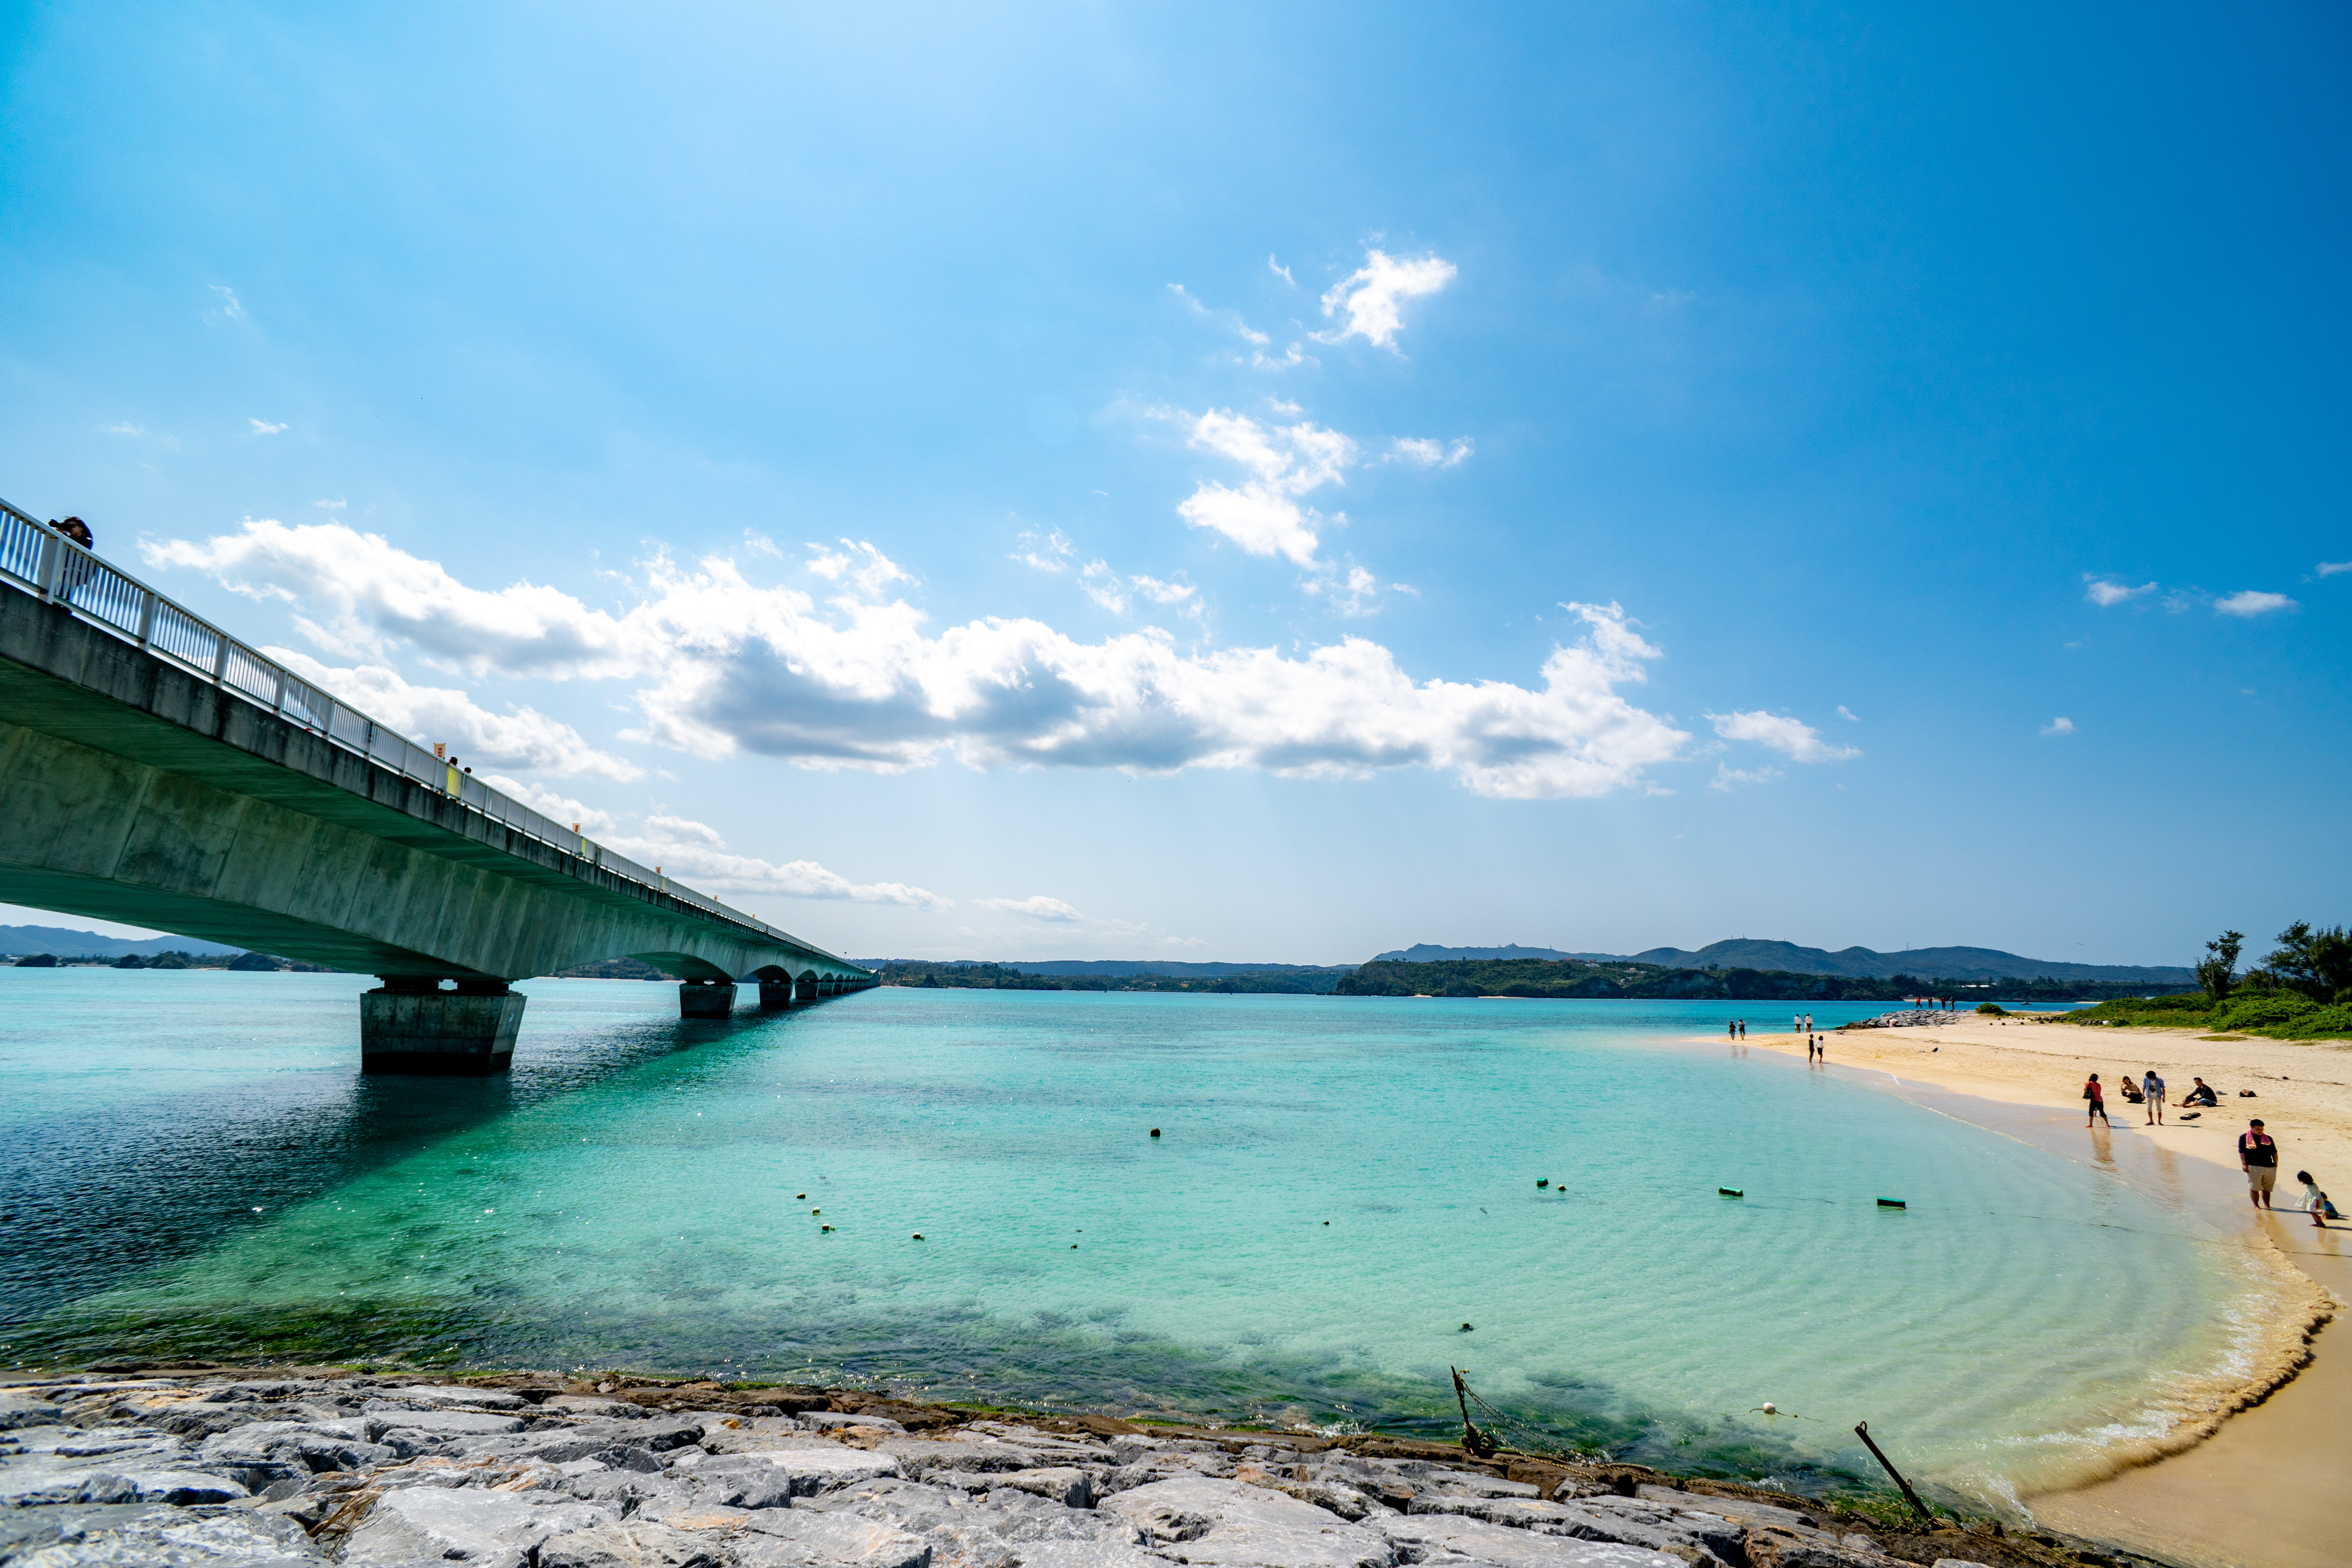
(133, 790)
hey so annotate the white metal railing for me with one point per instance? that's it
(38, 558)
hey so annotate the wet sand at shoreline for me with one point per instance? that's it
(2265, 1488)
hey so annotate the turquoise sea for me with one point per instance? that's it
(1341, 1184)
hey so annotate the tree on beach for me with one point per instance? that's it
(2317, 962)
(2219, 973)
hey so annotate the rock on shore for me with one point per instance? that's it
(230, 1468)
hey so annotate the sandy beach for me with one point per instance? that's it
(2264, 1489)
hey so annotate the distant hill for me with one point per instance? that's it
(1116, 968)
(67, 943)
(1422, 952)
(1857, 963)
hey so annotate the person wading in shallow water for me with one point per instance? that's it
(2098, 1099)
(2259, 1155)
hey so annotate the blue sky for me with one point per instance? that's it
(1188, 482)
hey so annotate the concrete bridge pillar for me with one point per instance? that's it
(409, 1025)
(706, 998)
(776, 995)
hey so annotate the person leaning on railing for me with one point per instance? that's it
(75, 570)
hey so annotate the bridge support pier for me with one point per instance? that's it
(775, 996)
(706, 998)
(411, 1025)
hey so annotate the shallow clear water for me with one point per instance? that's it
(194, 1165)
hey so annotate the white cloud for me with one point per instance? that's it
(2061, 726)
(1280, 270)
(262, 427)
(523, 737)
(331, 505)
(231, 306)
(2103, 592)
(1372, 294)
(2329, 568)
(1039, 908)
(1160, 593)
(1792, 739)
(142, 430)
(2252, 602)
(1427, 453)
(1726, 779)
(1051, 554)
(1101, 584)
(725, 665)
(1353, 593)
(1262, 515)
(859, 565)
(1848, 715)
(550, 802)
(694, 853)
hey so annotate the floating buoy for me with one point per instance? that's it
(1731, 1193)
(1543, 1183)
(816, 1211)
(1074, 1246)
(1326, 1222)
(803, 1196)
(1155, 1133)
(826, 1228)
(919, 1236)
(1890, 1203)
(1465, 1329)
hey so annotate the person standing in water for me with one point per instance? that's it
(2098, 1099)
(2153, 1087)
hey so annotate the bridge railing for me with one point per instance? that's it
(38, 558)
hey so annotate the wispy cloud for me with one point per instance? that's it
(126, 429)
(1726, 779)
(336, 505)
(2103, 592)
(1161, 593)
(1280, 270)
(1047, 553)
(264, 427)
(1284, 462)
(2252, 602)
(2329, 568)
(857, 565)
(695, 852)
(1101, 584)
(2060, 726)
(1848, 714)
(1372, 296)
(231, 306)
(1039, 908)
(722, 665)
(1427, 454)
(518, 738)
(1351, 592)
(1793, 739)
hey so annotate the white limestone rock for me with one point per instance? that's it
(1237, 1525)
(1450, 1538)
(801, 1538)
(480, 1528)
(632, 1545)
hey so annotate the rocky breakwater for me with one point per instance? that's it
(224, 1467)
(1908, 1019)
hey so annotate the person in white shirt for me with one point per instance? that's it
(2153, 1087)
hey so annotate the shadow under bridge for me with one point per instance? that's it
(157, 772)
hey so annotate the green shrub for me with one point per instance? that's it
(2329, 1023)
(2262, 1010)
(1993, 1009)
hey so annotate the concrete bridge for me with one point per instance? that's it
(155, 770)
